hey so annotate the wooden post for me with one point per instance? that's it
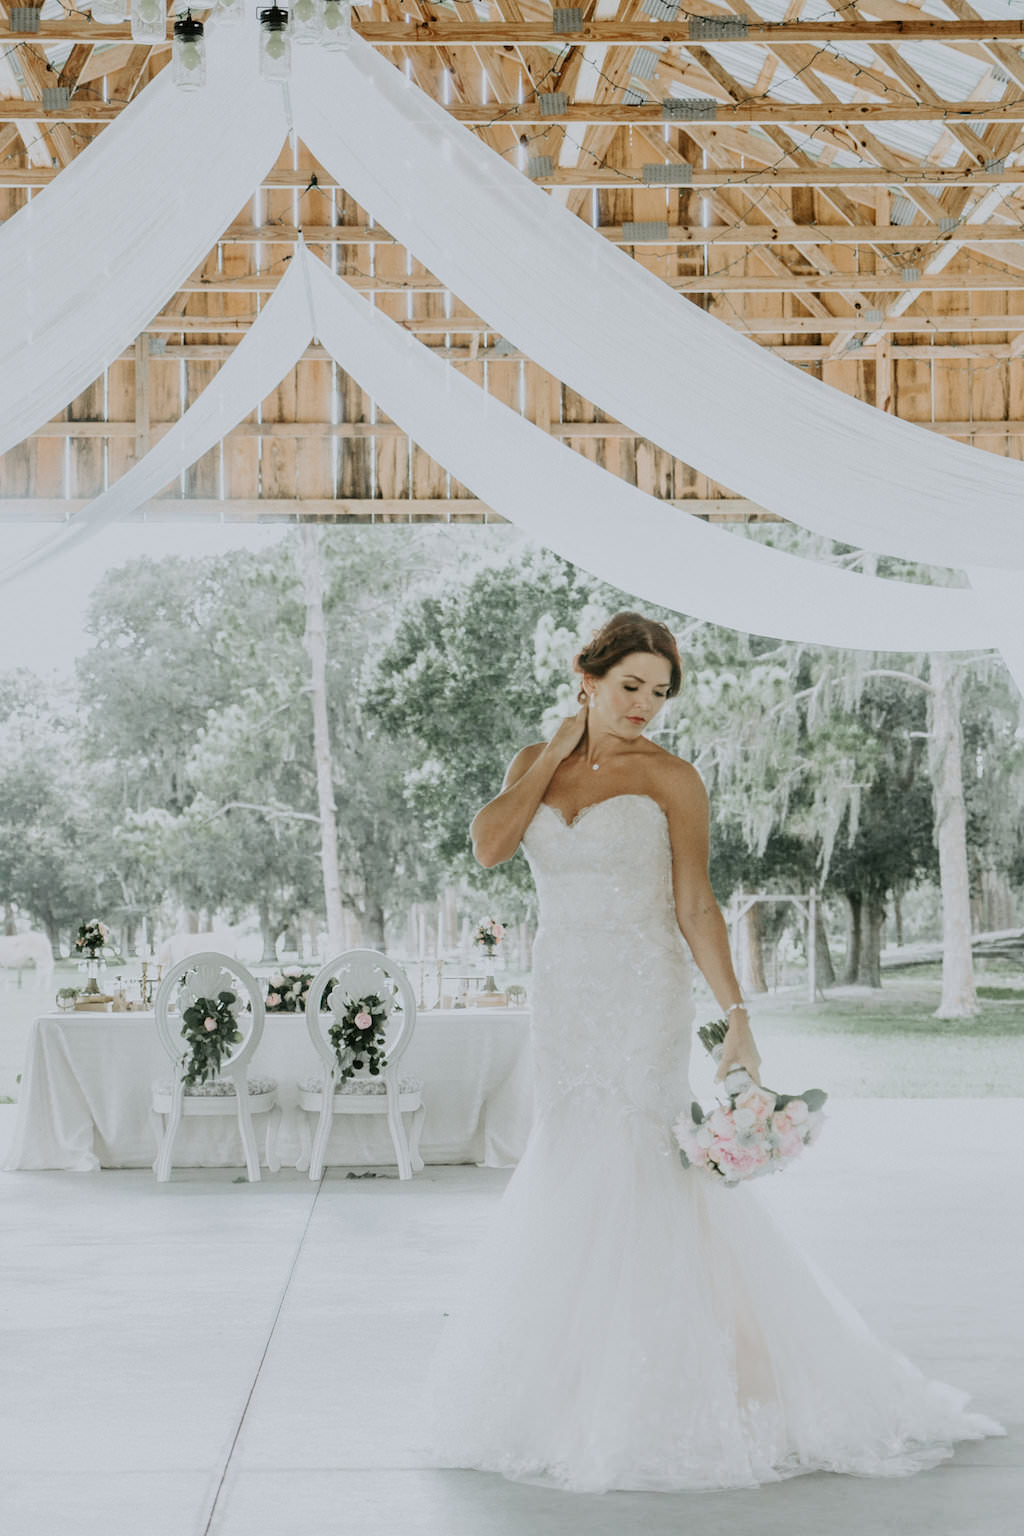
(142, 437)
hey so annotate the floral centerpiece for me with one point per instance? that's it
(210, 1025)
(358, 1033)
(92, 936)
(757, 1131)
(288, 989)
(488, 937)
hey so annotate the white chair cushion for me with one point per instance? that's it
(360, 1085)
(218, 1088)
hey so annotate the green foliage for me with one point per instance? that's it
(210, 1028)
(357, 1043)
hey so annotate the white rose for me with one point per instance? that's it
(744, 1119)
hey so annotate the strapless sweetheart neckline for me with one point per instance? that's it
(568, 825)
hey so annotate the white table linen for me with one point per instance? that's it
(85, 1093)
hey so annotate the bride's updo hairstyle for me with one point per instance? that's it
(622, 635)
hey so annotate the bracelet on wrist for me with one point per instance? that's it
(736, 1008)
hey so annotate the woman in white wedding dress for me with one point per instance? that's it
(629, 1323)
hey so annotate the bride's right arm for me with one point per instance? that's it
(497, 829)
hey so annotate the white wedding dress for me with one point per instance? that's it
(629, 1323)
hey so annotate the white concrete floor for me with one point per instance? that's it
(211, 1358)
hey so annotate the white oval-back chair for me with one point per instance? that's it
(356, 974)
(232, 1091)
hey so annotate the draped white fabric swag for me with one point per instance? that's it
(619, 336)
(584, 513)
(89, 261)
(569, 298)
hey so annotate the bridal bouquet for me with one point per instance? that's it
(757, 1132)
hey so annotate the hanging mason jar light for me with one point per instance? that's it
(275, 44)
(188, 54)
(337, 24)
(149, 21)
(307, 21)
(109, 12)
(229, 13)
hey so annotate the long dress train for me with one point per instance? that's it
(628, 1323)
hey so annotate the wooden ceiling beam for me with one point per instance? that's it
(809, 175)
(638, 31)
(780, 282)
(622, 115)
(675, 234)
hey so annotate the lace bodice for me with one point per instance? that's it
(609, 868)
(610, 1001)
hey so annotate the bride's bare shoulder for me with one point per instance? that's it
(523, 762)
(678, 780)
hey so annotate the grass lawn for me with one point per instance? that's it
(884, 1043)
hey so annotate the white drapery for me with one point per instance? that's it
(466, 213)
(267, 352)
(591, 517)
(625, 341)
(87, 263)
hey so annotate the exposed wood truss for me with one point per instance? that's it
(845, 188)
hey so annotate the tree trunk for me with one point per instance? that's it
(869, 972)
(751, 953)
(266, 936)
(897, 917)
(375, 924)
(993, 908)
(854, 930)
(824, 970)
(316, 647)
(10, 926)
(959, 999)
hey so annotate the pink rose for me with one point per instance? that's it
(798, 1111)
(720, 1121)
(791, 1144)
(498, 929)
(273, 1000)
(210, 1025)
(364, 1020)
(782, 1122)
(760, 1100)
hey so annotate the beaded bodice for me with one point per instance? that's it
(610, 999)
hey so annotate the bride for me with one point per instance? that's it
(628, 1323)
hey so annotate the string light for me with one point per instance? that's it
(188, 53)
(275, 43)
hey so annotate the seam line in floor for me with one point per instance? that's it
(208, 1524)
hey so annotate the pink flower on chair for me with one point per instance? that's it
(363, 1020)
(209, 1025)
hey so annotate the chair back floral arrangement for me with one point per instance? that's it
(210, 1026)
(287, 990)
(756, 1132)
(489, 935)
(358, 1033)
(92, 936)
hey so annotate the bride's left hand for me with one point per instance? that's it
(739, 1051)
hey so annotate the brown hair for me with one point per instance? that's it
(622, 635)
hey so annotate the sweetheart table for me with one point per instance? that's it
(85, 1093)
